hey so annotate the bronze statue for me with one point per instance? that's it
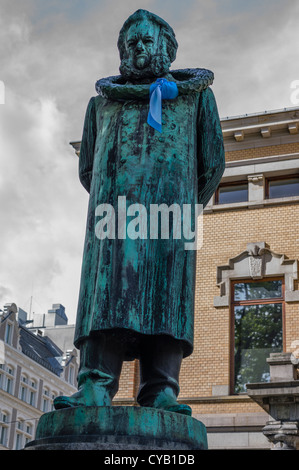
(137, 293)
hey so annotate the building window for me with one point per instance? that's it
(28, 390)
(32, 397)
(8, 387)
(32, 392)
(3, 428)
(232, 192)
(28, 433)
(19, 441)
(258, 315)
(3, 435)
(6, 378)
(282, 187)
(23, 393)
(45, 405)
(24, 388)
(19, 436)
(20, 425)
(71, 375)
(46, 402)
(24, 433)
(8, 333)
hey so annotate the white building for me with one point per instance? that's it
(33, 370)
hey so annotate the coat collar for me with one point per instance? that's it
(187, 80)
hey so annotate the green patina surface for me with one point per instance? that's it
(79, 422)
(145, 285)
(141, 286)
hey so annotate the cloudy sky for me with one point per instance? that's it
(51, 54)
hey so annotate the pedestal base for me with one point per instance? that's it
(118, 428)
(283, 434)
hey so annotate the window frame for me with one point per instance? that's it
(7, 378)
(230, 183)
(18, 440)
(46, 401)
(3, 434)
(278, 178)
(4, 427)
(233, 304)
(8, 333)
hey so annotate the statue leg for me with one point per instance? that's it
(160, 363)
(101, 361)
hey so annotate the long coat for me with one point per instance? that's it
(144, 286)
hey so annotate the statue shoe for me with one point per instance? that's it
(65, 402)
(179, 408)
(90, 393)
(166, 400)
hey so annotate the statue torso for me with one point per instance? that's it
(140, 158)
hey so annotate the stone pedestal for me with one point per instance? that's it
(283, 434)
(118, 428)
(280, 399)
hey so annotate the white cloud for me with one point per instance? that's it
(41, 204)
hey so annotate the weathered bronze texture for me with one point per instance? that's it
(118, 428)
(137, 291)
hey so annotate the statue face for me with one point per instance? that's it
(143, 51)
(141, 43)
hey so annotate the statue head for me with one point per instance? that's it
(147, 46)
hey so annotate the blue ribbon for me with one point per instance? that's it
(162, 89)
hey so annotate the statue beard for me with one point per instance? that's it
(157, 67)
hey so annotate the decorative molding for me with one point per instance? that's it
(256, 178)
(260, 129)
(256, 262)
(266, 132)
(293, 128)
(239, 136)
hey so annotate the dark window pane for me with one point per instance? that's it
(257, 290)
(284, 188)
(258, 332)
(234, 193)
